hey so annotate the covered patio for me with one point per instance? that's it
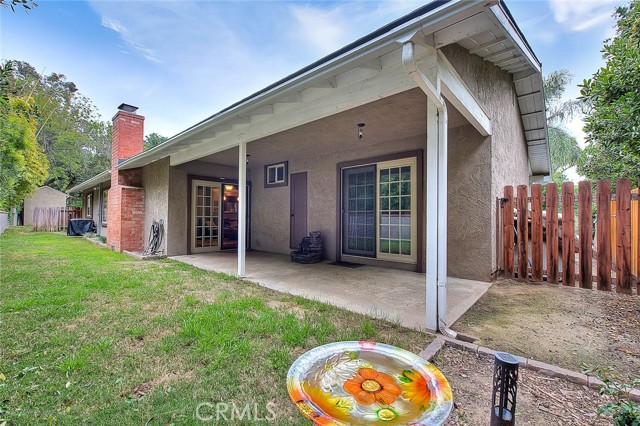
(390, 294)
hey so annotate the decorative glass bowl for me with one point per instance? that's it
(367, 383)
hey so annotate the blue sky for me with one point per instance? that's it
(182, 61)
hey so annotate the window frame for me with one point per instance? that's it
(382, 165)
(105, 210)
(88, 209)
(284, 165)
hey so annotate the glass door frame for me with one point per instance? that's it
(417, 206)
(190, 207)
(193, 215)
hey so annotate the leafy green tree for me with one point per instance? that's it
(152, 140)
(68, 128)
(564, 148)
(612, 96)
(23, 165)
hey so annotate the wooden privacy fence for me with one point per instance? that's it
(539, 244)
(52, 219)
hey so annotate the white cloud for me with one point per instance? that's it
(324, 30)
(114, 25)
(582, 15)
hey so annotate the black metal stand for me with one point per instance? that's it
(505, 387)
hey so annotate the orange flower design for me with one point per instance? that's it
(420, 391)
(369, 386)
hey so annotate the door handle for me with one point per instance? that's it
(293, 215)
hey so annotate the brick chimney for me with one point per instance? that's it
(125, 213)
(127, 137)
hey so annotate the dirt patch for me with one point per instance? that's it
(558, 325)
(287, 307)
(540, 401)
(144, 388)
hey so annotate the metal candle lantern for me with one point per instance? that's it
(505, 387)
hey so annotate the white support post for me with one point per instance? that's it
(242, 207)
(432, 218)
(442, 218)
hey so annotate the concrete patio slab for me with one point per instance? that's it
(398, 296)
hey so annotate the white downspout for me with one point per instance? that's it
(242, 207)
(433, 94)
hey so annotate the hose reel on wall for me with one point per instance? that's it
(155, 238)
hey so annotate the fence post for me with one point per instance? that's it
(568, 236)
(523, 234)
(586, 237)
(507, 231)
(623, 236)
(536, 233)
(603, 235)
(552, 233)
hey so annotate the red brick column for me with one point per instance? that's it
(125, 229)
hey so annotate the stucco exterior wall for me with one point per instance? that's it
(506, 152)
(393, 125)
(176, 225)
(270, 206)
(43, 197)
(155, 181)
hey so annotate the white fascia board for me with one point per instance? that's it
(456, 91)
(502, 20)
(433, 20)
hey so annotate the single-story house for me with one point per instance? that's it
(44, 196)
(395, 147)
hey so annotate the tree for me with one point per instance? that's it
(612, 96)
(76, 142)
(23, 165)
(152, 140)
(26, 4)
(564, 148)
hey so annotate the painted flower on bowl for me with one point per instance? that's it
(422, 390)
(337, 369)
(369, 386)
(321, 407)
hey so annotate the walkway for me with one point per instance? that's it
(391, 294)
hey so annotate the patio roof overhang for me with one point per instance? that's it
(94, 181)
(370, 69)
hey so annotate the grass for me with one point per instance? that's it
(89, 336)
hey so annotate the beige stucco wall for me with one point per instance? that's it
(176, 225)
(500, 159)
(393, 125)
(43, 197)
(155, 181)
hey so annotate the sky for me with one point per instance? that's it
(181, 61)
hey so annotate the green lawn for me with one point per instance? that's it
(89, 336)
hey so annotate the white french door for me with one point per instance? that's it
(205, 216)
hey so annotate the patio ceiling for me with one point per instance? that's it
(393, 118)
(368, 70)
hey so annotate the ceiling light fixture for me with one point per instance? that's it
(360, 131)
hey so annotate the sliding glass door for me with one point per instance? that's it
(379, 210)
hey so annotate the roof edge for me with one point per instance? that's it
(97, 179)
